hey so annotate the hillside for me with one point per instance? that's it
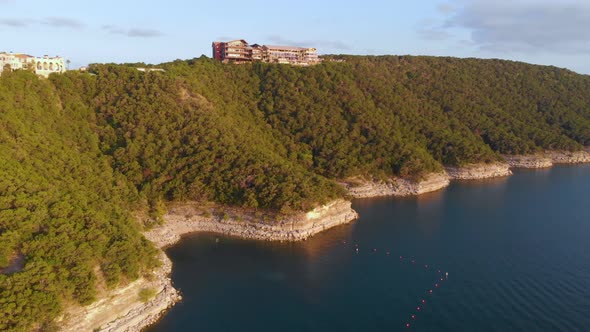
(79, 152)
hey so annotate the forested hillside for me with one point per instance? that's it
(80, 152)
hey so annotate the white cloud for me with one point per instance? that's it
(524, 26)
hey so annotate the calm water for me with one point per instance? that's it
(517, 251)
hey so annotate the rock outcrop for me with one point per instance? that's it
(529, 161)
(479, 171)
(359, 188)
(122, 310)
(548, 159)
(567, 157)
(185, 219)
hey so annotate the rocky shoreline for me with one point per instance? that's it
(548, 159)
(479, 171)
(121, 310)
(132, 315)
(361, 188)
(186, 218)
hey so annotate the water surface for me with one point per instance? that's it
(517, 251)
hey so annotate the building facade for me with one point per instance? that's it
(239, 51)
(42, 66)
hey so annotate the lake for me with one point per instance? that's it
(516, 250)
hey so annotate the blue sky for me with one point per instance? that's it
(551, 32)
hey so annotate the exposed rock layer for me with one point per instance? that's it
(121, 308)
(479, 171)
(529, 161)
(548, 159)
(185, 219)
(359, 188)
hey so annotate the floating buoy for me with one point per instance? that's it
(418, 308)
(413, 316)
(426, 266)
(423, 301)
(447, 275)
(407, 324)
(435, 285)
(430, 291)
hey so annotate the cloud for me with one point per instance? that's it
(63, 22)
(523, 26)
(146, 33)
(334, 44)
(445, 8)
(16, 22)
(56, 22)
(429, 33)
(133, 32)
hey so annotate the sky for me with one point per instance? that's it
(547, 32)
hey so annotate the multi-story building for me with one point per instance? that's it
(239, 51)
(42, 66)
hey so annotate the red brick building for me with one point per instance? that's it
(239, 51)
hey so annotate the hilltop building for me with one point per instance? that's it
(239, 51)
(42, 66)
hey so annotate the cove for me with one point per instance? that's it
(516, 250)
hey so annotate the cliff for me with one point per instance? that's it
(548, 159)
(121, 309)
(360, 188)
(529, 161)
(479, 171)
(187, 218)
(567, 157)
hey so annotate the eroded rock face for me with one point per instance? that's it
(566, 157)
(396, 186)
(121, 309)
(529, 161)
(479, 171)
(293, 228)
(548, 159)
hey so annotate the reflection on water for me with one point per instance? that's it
(516, 250)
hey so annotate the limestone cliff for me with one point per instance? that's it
(529, 161)
(548, 159)
(567, 157)
(479, 171)
(360, 188)
(186, 218)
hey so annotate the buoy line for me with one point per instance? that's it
(441, 277)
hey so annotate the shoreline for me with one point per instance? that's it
(121, 310)
(188, 218)
(397, 187)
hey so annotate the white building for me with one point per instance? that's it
(42, 66)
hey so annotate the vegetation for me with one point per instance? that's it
(146, 294)
(79, 151)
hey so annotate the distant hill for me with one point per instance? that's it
(80, 152)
